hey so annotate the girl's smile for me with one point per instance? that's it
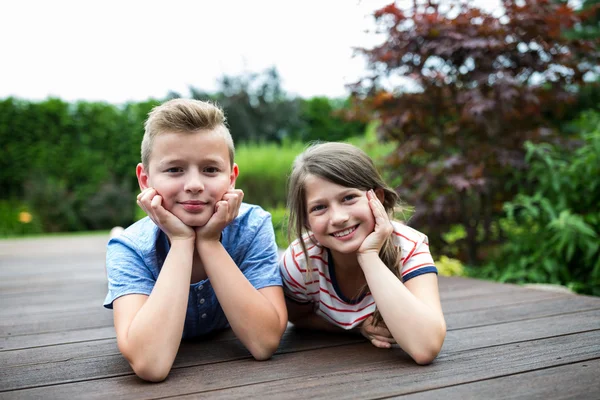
(345, 234)
(339, 217)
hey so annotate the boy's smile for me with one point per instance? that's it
(339, 217)
(192, 172)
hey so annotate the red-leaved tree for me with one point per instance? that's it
(483, 85)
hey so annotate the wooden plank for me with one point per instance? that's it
(51, 368)
(345, 371)
(57, 322)
(546, 307)
(571, 381)
(495, 300)
(101, 359)
(40, 340)
(515, 332)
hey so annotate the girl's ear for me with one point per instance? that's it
(142, 176)
(380, 193)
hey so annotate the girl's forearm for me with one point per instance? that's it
(417, 328)
(252, 317)
(154, 335)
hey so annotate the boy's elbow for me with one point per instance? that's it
(265, 350)
(151, 370)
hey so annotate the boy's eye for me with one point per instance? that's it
(173, 170)
(211, 170)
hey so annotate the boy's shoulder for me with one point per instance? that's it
(141, 235)
(249, 215)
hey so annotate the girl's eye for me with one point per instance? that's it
(317, 208)
(349, 197)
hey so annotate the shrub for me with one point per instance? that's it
(555, 229)
(16, 219)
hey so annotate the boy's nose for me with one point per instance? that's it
(194, 183)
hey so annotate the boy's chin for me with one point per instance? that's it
(195, 222)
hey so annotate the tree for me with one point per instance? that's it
(482, 86)
(256, 106)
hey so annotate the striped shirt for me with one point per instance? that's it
(320, 286)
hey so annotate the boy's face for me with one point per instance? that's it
(191, 171)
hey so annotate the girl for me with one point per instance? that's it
(353, 268)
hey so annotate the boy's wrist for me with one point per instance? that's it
(207, 245)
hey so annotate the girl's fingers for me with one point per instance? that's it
(380, 344)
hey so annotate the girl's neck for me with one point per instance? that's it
(349, 277)
(346, 265)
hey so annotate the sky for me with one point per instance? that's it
(131, 50)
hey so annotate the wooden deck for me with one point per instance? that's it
(504, 341)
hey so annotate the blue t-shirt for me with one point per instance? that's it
(135, 257)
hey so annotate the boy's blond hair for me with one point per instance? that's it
(184, 116)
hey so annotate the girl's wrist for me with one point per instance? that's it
(367, 258)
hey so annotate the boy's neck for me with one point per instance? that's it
(198, 273)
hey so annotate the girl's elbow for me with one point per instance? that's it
(426, 354)
(151, 373)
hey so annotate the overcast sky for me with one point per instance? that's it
(120, 50)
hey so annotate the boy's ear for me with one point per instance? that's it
(380, 194)
(142, 176)
(235, 171)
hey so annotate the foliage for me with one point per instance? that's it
(57, 157)
(256, 106)
(17, 219)
(263, 171)
(279, 218)
(450, 267)
(555, 235)
(481, 87)
(325, 119)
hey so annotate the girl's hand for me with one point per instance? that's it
(383, 226)
(151, 202)
(379, 336)
(225, 211)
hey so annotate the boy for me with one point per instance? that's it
(202, 260)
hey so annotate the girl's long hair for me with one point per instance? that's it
(344, 165)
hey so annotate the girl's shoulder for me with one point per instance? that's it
(405, 236)
(307, 244)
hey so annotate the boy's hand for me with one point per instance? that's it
(383, 226)
(151, 202)
(225, 211)
(379, 336)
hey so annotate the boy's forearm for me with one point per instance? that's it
(415, 326)
(252, 317)
(155, 332)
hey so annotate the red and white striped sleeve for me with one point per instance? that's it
(292, 276)
(416, 258)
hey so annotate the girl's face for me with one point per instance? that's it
(339, 217)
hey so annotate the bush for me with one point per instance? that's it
(16, 219)
(555, 229)
(264, 169)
